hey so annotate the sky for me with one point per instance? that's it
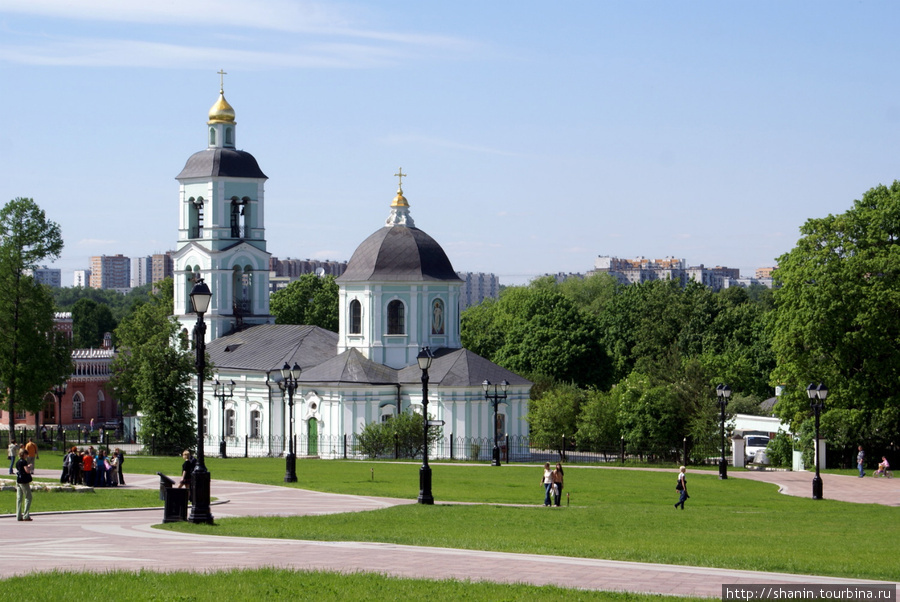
(536, 135)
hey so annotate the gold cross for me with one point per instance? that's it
(400, 175)
(222, 75)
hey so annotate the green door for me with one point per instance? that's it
(312, 437)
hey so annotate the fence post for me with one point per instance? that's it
(562, 455)
(622, 450)
(451, 446)
(247, 446)
(396, 446)
(685, 452)
(345, 446)
(506, 448)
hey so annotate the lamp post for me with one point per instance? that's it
(817, 395)
(495, 399)
(59, 390)
(723, 392)
(289, 382)
(223, 391)
(424, 358)
(200, 512)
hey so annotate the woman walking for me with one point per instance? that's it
(681, 487)
(547, 482)
(557, 478)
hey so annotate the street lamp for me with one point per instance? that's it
(817, 395)
(495, 399)
(723, 392)
(59, 390)
(289, 382)
(223, 391)
(424, 358)
(200, 512)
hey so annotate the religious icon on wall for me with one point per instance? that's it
(437, 317)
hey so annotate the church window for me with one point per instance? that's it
(195, 217)
(212, 136)
(396, 318)
(437, 317)
(205, 422)
(229, 137)
(50, 411)
(77, 406)
(255, 421)
(229, 423)
(355, 317)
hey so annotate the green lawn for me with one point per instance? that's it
(613, 514)
(272, 584)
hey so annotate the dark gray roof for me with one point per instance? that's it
(221, 162)
(268, 347)
(461, 368)
(350, 367)
(400, 254)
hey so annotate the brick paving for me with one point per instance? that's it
(94, 541)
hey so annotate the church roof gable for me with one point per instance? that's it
(461, 368)
(350, 367)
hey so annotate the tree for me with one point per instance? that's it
(90, 321)
(836, 318)
(650, 417)
(405, 431)
(30, 361)
(598, 429)
(538, 331)
(553, 417)
(153, 372)
(310, 300)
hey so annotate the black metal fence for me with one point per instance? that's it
(52, 438)
(472, 449)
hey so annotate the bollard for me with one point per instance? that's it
(373, 474)
(567, 499)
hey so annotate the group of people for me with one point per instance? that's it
(553, 484)
(30, 449)
(93, 468)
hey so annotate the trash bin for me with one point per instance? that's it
(174, 500)
(164, 483)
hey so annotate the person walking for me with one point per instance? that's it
(120, 459)
(547, 482)
(32, 450)
(23, 486)
(12, 454)
(681, 487)
(860, 462)
(557, 478)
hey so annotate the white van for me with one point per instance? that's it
(754, 444)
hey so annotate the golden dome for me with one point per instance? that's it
(399, 200)
(221, 112)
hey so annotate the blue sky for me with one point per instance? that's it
(536, 135)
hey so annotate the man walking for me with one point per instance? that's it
(31, 449)
(12, 454)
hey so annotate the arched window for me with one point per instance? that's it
(355, 317)
(50, 409)
(229, 423)
(396, 317)
(212, 136)
(205, 422)
(78, 406)
(100, 400)
(255, 422)
(437, 317)
(229, 136)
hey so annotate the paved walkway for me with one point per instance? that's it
(126, 540)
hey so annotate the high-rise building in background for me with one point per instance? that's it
(477, 286)
(641, 269)
(140, 271)
(82, 278)
(111, 271)
(49, 276)
(163, 267)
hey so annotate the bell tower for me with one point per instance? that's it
(221, 230)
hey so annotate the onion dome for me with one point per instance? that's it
(221, 111)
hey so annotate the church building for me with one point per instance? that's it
(398, 295)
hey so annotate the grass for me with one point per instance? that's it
(613, 514)
(278, 584)
(99, 499)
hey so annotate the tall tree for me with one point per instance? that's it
(29, 363)
(153, 371)
(837, 317)
(90, 321)
(310, 300)
(537, 331)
